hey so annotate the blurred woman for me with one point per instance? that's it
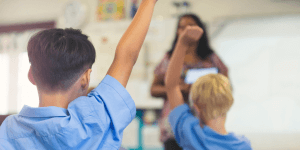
(199, 55)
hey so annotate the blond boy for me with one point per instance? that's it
(211, 97)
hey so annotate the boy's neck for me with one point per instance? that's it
(58, 99)
(218, 125)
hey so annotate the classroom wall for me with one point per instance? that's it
(21, 11)
(262, 56)
(212, 12)
(26, 11)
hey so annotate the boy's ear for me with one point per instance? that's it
(85, 79)
(30, 77)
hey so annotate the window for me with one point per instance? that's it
(15, 88)
(4, 78)
(27, 92)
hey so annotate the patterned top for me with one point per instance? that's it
(161, 69)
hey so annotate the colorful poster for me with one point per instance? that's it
(110, 10)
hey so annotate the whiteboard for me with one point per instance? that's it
(263, 59)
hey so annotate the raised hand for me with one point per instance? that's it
(190, 35)
(131, 42)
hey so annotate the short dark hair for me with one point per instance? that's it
(58, 57)
(203, 49)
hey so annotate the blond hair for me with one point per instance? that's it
(212, 95)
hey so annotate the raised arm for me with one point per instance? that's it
(190, 35)
(131, 42)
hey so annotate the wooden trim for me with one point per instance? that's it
(27, 26)
(2, 118)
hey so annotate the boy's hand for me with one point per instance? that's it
(191, 34)
(131, 42)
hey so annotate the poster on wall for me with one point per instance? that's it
(110, 10)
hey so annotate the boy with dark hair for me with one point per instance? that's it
(211, 97)
(61, 61)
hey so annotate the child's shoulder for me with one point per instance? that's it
(242, 139)
(239, 137)
(8, 119)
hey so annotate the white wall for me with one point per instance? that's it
(217, 9)
(21, 11)
(262, 55)
(24, 11)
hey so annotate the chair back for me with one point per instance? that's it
(2, 118)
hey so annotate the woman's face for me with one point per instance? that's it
(184, 22)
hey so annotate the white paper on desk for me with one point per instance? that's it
(193, 74)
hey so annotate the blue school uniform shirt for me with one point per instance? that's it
(190, 136)
(93, 122)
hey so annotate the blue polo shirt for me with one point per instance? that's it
(91, 122)
(190, 136)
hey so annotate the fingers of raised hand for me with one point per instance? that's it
(194, 32)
